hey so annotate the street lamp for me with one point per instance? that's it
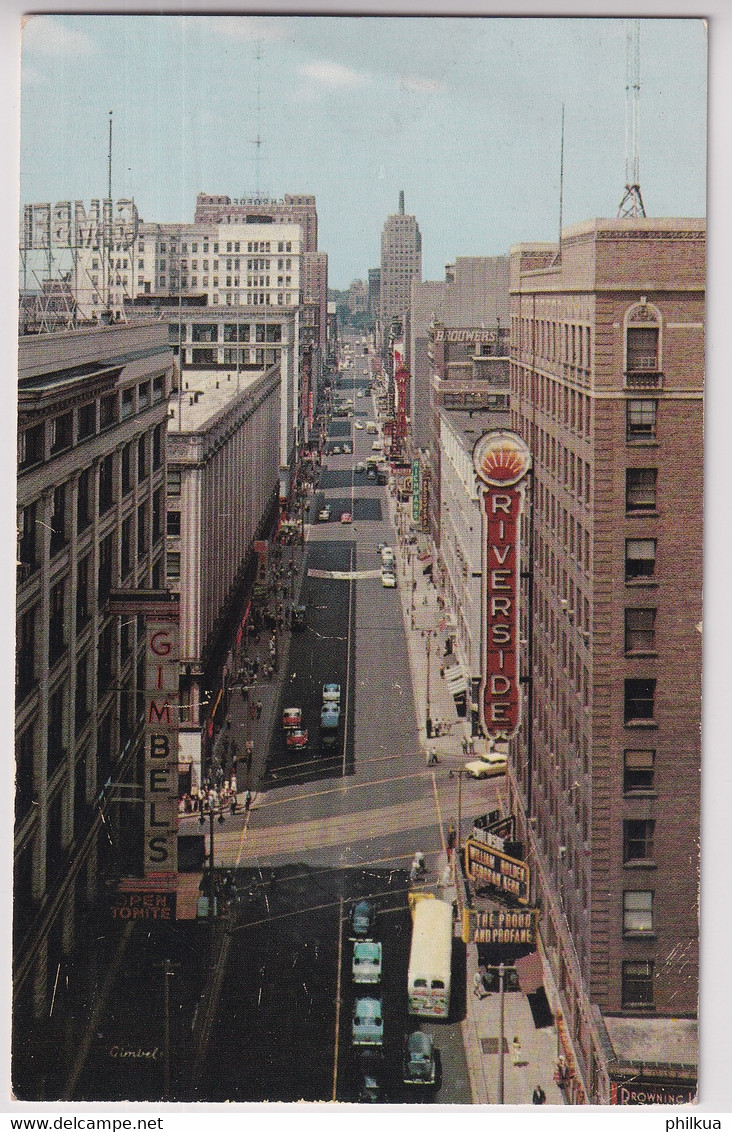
(211, 810)
(428, 721)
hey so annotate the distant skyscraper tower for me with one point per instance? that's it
(401, 261)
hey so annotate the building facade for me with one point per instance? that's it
(401, 261)
(91, 519)
(607, 374)
(223, 491)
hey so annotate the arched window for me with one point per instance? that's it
(642, 344)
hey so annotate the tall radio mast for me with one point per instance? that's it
(632, 203)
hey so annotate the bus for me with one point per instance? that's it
(428, 978)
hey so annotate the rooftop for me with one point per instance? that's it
(205, 393)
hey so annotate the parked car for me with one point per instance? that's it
(348, 449)
(360, 466)
(297, 738)
(388, 579)
(491, 766)
(368, 1023)
(366, 966)
(419, 1067)
(324, 514)
(358, 425)
(376, 446)
(362, 920)
(331, 693)
(330, 716)
(336, 449)
(346, 517)
(291, 718)
(370, 1090)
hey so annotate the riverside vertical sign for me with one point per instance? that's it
(501, 460)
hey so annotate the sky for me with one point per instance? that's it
(462, 114)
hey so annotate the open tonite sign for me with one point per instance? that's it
(501, 461)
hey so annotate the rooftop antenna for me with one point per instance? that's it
(558, 257)
(257, 142)
(107, 224)
(632, 203)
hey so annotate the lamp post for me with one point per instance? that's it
(428, 721)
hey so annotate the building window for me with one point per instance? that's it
(61, 432)
(87, 420)
(24, 759)
(174, 481)
(642, 349)
(58, 520)
(128, 403)
(27, 541)
(173, 567)
(126, 462)
(640, 558)
(106, 484)
(173, 523)
(640, 631)
(56, 747)
(84, 501)
(141, 530)
(81, 705)
(32, 442)
(56, 624)
(82, 593)
(637, 984)
(108, 411)
(638, 767)
(640, 489)
(141, 459)
(639, 700)
(637, 912)
(157, 447)
(126, 547)
(638, 840)
(640, 420)
(143, 395)
(25, 656)
(105, 569)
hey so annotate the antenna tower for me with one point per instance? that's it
(257, 142)
(632, 203)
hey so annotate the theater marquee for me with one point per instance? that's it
(501, 461)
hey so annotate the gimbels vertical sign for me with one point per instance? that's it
(501, 460)
(161, 746)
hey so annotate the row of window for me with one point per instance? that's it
(41, 441)
(261, 246)
(134, 545)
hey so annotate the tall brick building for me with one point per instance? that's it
(607, 373)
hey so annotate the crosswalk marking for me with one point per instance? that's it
(344, 575)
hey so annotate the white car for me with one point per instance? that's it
(387, 557)
(358, 425)
(493, 765)
(388, 578)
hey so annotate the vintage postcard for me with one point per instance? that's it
(360, 454)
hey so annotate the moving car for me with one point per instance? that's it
(358, 425)
(291, 717)
(388, 578)
(387, 556)
(330, 716)
(419, 1066)
(324, 514)
(491, 766)
(331, 694)
(366, 966)
(368, 1024)
(346, 517)
(360, 466)
(362, 920)
(297, 738)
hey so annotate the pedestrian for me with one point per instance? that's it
(478, 985)
(247, 800)
(232, 802)
(451, 841)
(432, 759)
(260, 708)
(538, 1096)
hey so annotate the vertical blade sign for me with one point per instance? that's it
(501, 461)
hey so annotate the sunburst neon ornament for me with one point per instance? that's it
(501, 458)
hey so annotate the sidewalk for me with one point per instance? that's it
(531, 1059)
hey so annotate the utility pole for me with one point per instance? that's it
(501, 1037)
(167, 972)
